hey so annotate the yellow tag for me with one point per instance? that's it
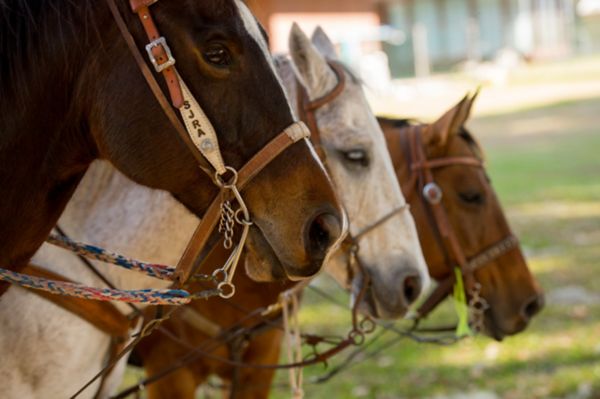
(460, 305)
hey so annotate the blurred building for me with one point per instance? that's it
(420, 36)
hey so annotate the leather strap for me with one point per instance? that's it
(155, 88)
(308, 108)
(440, 214)
(421, 175)
(160, 52)
(103, 315)
(442, 162)
(340, 73)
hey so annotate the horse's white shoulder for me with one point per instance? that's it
(46, 351)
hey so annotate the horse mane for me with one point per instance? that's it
(398, 123)
(472, 142)
(33, 33)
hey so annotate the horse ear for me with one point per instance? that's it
(323, 43)
(450, 123)
(472, 101)
(311, 66)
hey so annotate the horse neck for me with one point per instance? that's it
(44, 148)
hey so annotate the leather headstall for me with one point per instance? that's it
(422, 183)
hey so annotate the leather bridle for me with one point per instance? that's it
(199, 136)
(308, 109)
(422, 184)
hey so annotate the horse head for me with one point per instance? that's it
(475, 218)
(385, 260)
(101, 107)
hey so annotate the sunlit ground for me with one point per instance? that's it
(541, 131)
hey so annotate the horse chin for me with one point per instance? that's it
(368, 304)
(260, 261)
(495, 330)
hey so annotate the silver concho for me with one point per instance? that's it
(432, 193)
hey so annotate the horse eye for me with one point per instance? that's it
(472, 197)
(217, 54)
(357, 156)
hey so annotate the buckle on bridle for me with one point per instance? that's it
(160, 42)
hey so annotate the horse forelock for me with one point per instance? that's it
(472, 142)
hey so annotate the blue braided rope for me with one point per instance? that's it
(162, 272)
(146, 296)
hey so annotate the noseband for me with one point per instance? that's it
(422, 183)
(308, 109)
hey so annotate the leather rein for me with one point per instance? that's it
(422, 183)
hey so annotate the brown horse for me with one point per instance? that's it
(475, 214)
(71, 92)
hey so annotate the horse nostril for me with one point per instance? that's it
(532, 307)
(411, 288)
(322, 233)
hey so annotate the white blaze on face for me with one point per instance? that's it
(253, 29)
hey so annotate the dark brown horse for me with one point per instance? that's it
(474, 212)
(71, 93)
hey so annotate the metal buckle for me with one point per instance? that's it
(161, 41)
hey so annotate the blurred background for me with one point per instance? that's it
(538, 117)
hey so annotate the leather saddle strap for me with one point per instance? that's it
(103, 315)
(155, 88)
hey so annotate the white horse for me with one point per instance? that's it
(49, 353)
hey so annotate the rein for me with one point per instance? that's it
(422, 183)
(279, 315)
